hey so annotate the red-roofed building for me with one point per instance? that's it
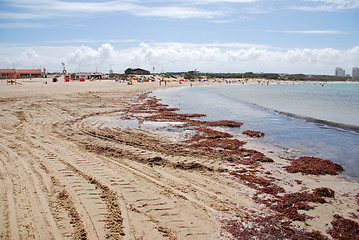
(20, 73)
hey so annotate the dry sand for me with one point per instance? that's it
(61, 177)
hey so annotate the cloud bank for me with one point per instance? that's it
(175, 57)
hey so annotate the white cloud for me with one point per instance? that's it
(233, 45)
(23, 15)
(177, 12)
(329, 5)
(182, 57)
(255, 10)
(22, 25)
(72, 6)
(221, 1)
(41, 9)
(310, 31)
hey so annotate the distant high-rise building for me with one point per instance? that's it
(339, 72)
(355, 72)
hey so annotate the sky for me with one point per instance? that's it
(279, 36)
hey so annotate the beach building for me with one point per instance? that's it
(194, 72)
(20, 73)
(355, 72)
(339, 72)
(137, 71)
(78, 76)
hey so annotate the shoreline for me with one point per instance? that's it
(332, 181)
(323, 133)
(265, 147)
(59, 149)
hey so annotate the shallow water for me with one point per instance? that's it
(334, 102)
(300, 132)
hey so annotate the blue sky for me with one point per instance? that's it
(293, 36)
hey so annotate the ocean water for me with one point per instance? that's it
(320, 120)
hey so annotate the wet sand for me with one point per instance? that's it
(67, 173)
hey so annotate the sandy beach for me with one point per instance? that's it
(66, 173)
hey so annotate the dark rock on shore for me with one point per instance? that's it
(325, 192)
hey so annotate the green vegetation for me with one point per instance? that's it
(276, 76)
(302, 77)
(189, 76)
(246, 75)
(243, 75)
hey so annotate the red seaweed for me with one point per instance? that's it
(224, 123)
(261, 184)
(246, 156)
(253, 133)
(254, 155)
(312, 165)
(270, 227)
(289, 204)
(207, 133)
(344, 229)
(231, 144)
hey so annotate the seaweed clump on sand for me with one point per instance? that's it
(288, 205)
(159, 111)
(247, 157)
(149, 106)
(254, 155)
(224, 123)
(253, 133)
(269, 227)
(231, 144)
(344, 229)
(207, 133)
(172, 116)
(262, 185)
(315, 166)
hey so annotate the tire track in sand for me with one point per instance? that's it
(150, 203)
(26, 191)
(95, 202)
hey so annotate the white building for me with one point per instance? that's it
(355, 72)
(339, 72)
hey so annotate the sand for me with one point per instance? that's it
(65, 173)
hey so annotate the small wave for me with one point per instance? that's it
(319, 122)
(322, 123)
